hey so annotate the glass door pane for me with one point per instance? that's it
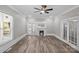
(73, 32)
(65, 31)
(75, 35)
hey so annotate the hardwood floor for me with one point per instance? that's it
(37, 44)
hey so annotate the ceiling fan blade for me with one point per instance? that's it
(37, 8)
(47, 12)
(49, 9)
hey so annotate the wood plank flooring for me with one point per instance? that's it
(38, 44)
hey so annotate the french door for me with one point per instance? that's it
(73, 32)
(70, 32)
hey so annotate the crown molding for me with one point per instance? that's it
(10, 6)
(68, 10)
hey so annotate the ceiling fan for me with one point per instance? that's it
(43, 9)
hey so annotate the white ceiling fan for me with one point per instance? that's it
(43, 9)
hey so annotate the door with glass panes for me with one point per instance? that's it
(65, 30)
(73, 32)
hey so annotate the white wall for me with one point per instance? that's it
(56, 26)
(19, 26)
(50, 26)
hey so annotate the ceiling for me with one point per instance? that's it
(28, 10)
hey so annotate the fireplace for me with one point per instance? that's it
(41, 32)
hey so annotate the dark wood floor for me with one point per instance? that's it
(37, 44)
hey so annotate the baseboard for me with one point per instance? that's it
(73, 46)
(11, 43)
